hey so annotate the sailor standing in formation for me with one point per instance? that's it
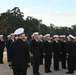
(2, 45)
(41, 48)
(70, 52)
(18, 54)
(56, 51)
(47, 50)
(63, 48)
(35, 52)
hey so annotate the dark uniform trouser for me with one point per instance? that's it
(35, 65)
(47, 63)
(75, 62)
(19, 72)
(71, 64)
(1, 56)
(41, 58)
(63, 60)
(56, 62)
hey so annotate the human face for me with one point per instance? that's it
(47, 37)
(36, 36)
(12, 36)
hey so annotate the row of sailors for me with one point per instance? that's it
(56, 49)
(47, 49)
(41, 37)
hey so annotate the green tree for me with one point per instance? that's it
(11, 20)
(31, 25)
(73, 30)
(43, 29)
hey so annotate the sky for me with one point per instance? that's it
(58, 12)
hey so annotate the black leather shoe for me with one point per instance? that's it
(46, 71)
(51, 71)
(64, 68)
(38, 74)
(1, 63)
(57, 69)
(69, 72)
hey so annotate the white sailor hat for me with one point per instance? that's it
(12, 34)
(9, 36)
(56, 36)
(35, 33)
(1, 35)
(19, 31)
(71, 36)
(47, 35)
(40, 35)
(62, 36)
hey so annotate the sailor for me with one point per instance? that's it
(11, 38)
(41, 48)
(47, 51)
(63, 47)
(18, 54)
(35, 53)
(56, 51)
(2, 45)
(75, 54)
(9, 41)
(70, 53)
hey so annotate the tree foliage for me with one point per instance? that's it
(10, 20)
(13, 19)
